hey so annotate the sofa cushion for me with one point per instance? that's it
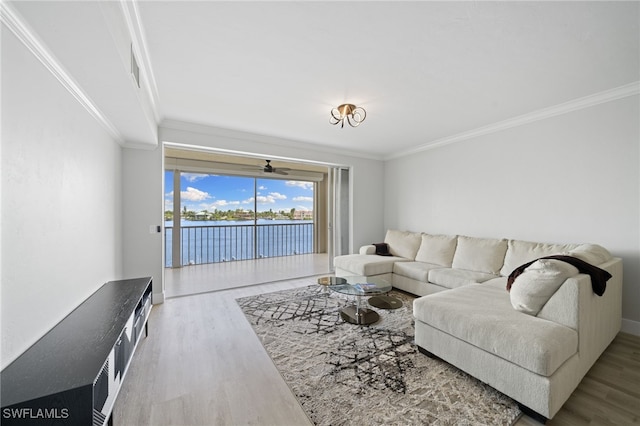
(534, 287)
(482, 316)
(521, 252)
(403, 243)
(366, 264)
(453, 278)
(437, 249)
(499, 282)
(591, 253)
(415, 270)
(480, 254)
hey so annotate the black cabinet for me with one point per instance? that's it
(72, 375)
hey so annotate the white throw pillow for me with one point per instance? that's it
(534, 287)
(437, 249)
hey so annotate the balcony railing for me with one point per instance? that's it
(225, 243)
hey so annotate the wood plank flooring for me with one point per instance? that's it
(202, 364)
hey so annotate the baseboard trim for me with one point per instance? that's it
(631, 327)
(157, 298)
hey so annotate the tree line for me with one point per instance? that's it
(237, 214)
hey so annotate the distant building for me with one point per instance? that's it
(303, 215)
(202, 215)
(244, 215)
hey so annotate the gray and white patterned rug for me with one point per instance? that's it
(368, 375)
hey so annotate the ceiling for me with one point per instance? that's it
(423, 71)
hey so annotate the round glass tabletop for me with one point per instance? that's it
(362, 286)
(331, 280)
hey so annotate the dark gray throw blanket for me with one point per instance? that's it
(599, 277)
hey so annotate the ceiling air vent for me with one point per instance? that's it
(135, 69)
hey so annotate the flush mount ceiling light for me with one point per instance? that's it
(348, 112)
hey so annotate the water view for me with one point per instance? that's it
(209, 241)
(217, 215)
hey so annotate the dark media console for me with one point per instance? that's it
(72, 375)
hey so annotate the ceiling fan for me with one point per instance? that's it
(268, 168)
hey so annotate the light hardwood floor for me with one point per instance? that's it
(202, 364)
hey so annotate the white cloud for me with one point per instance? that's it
(303, 208)
(224, 203)
(266, 200)
(277, 196)
(271, 198)
(300, 184)
(308, 199)
(193, 194)
(262, 187)
(193, 177)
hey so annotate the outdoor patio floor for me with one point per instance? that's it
(195, 279)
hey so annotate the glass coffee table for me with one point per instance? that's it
(328, 281)
(360, 286)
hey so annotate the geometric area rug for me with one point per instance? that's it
(345, 374)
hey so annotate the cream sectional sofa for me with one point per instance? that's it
(467, 317)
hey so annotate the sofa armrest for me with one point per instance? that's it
(368, 249)
(597, 319)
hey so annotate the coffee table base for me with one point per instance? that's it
(361, 316)
(385, 302)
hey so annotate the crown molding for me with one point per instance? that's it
(630, 89)
(140, 47)
(15, 23)
(231, 134)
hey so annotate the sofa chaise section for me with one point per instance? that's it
(536, 360)
(369, 265)
(403, 247)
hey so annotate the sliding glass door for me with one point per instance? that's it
(219, 218)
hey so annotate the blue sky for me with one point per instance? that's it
(210, 192)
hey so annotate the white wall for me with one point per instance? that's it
(567, 179)
(61, 201)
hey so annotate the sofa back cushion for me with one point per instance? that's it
(437, 249)
(479, 254)
(521, 252)
(403, 243)
(591, 253)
